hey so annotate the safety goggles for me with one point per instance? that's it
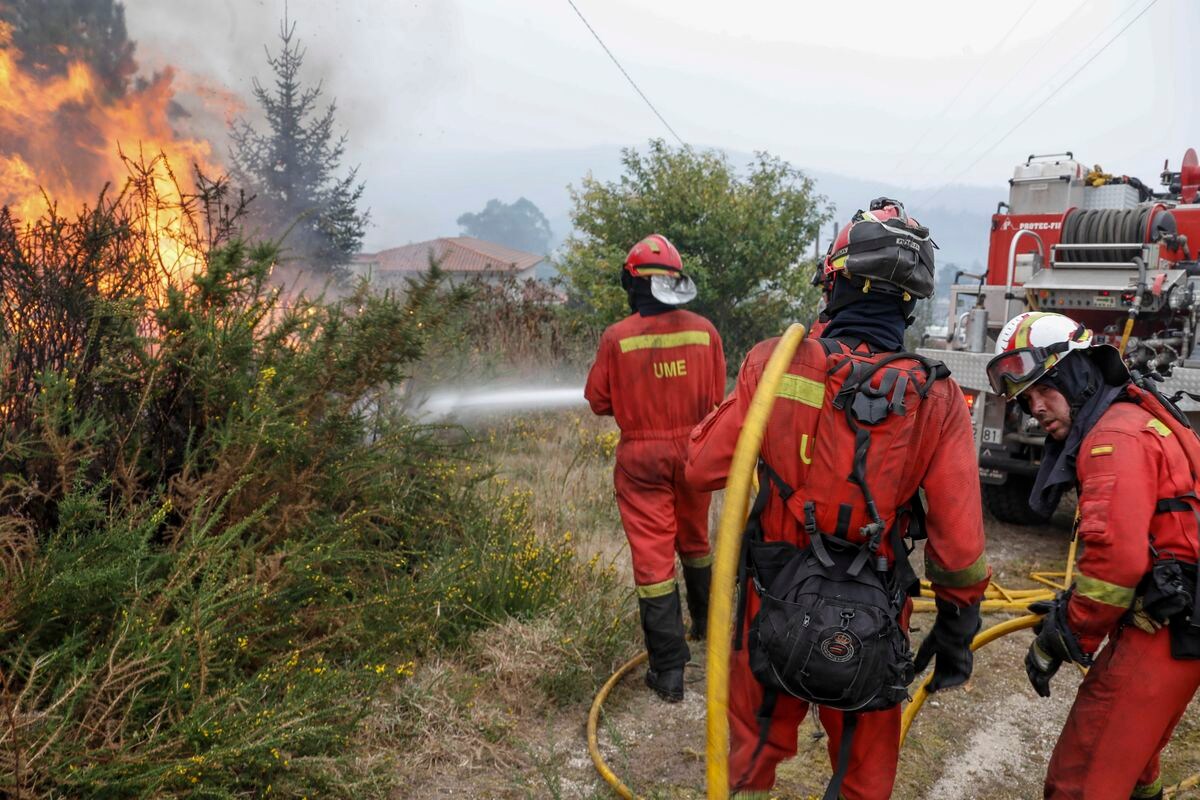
(1012, 372)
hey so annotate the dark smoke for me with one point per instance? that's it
(53, 33)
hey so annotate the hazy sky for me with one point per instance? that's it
(862, 89)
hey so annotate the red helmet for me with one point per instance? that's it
(656, 259)
(885, 249)
(653, 255)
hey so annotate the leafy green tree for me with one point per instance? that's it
(293, 167)
(521, 225)
(746, 239)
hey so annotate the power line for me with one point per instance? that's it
(978, 71)
(626, 74)
(1012, 76)
(973, 147)
(1045, 100)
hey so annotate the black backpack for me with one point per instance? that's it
(828, 627)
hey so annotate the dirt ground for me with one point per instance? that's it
(990, 740)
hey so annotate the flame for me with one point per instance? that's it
(63, 138)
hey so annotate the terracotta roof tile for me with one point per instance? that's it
(456, 254)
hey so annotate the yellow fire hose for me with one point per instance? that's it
(1125, 334)
(594, 721)
(729, 544)
(983, 637)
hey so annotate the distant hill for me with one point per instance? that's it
(419, 197)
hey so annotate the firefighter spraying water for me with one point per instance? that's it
(658, 372)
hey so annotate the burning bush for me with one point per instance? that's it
(214, 548)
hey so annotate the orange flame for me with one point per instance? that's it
(62, 139)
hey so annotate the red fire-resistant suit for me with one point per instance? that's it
(815, 463)
(1135, 693)
(658, 376)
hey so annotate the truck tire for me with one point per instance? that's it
(1009, 501)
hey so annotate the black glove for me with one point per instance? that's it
(1040, 666)
(1053, 644)
(950, 640)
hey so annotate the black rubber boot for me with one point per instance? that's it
(667, 684)
(662, 626)
(698, 581)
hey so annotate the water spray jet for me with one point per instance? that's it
(446, 403)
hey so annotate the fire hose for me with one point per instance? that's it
(720, 614)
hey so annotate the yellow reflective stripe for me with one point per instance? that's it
(696, 563)
(1110, 594)
(956, 578)
(1022, 333)
(1102, 450)
(654, 341)
(1159, 427)
(802, 390)
(650, 590)
(1148, 790)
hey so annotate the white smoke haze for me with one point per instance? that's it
(449, 103)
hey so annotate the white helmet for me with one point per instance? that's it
(1032, 343)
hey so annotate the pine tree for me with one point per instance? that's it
(292, 168)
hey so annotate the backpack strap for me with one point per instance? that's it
(916, 530)
(763, 717)
(754, 533)
(870, 405)
(849, 724)
(904, 578)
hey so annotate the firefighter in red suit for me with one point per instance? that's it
(658, 372)
(868, 319)
(1134, 466)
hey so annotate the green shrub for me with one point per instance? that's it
(216, 545)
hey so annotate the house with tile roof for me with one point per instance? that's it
(460, 257)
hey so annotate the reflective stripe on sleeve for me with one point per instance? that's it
(699, 561)
(656, 341)
(1110, 594)
(956, 578)
(650, 590)
(802, 390)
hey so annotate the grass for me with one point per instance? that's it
(492, 712)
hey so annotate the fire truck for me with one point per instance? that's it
(1108, 251)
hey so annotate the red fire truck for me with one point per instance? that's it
(1108, 251)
